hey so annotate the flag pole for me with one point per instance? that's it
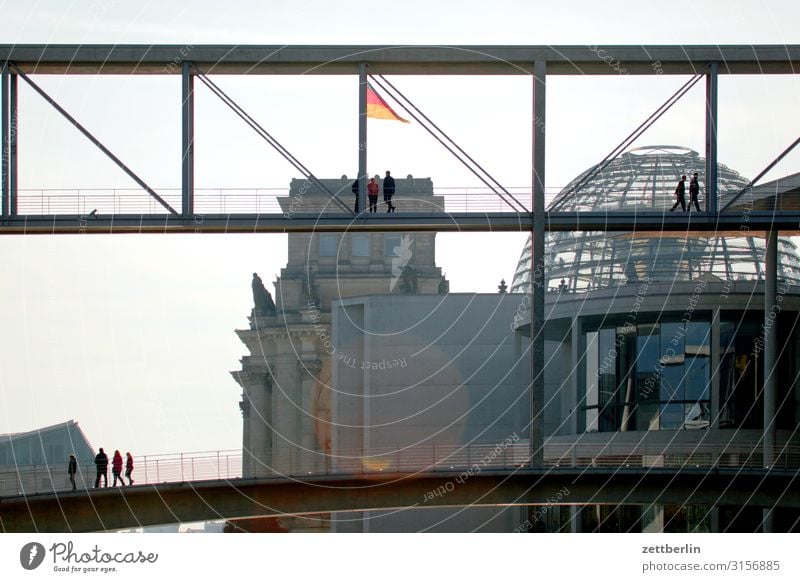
(362, 136)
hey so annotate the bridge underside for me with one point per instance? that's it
(118, 508)
(734, 223)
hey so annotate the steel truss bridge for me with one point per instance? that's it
(191, 63)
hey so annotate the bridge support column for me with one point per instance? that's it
(4, 128)
(712, 90)
(187, 141)
(715, 349)
(538, 279)
(771, 310)
(362, 137)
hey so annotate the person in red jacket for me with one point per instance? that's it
(372, 193)
(116, 468)
(129, 467)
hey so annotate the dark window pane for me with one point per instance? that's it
(647, 417)
(328, 245)
(697, 378)
(360, 245)
(672, 336)
(672, 378)
(671, 416)
(698, 339)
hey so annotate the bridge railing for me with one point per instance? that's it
(113, 201)
(227, 464)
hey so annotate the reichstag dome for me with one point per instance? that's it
(654, 341)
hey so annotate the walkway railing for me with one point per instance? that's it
(230, 200)
(505, 455)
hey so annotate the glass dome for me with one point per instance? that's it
(645, 178)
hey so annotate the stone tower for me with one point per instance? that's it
(285, 377)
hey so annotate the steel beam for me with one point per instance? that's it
(187, 133)
(406, 60)
(712, 94)
(538, 280)
(636, 225)
(4, 129)
(13, 132)
(771, 311)
(362, 137)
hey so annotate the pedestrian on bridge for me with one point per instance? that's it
(72, 468)
(129, 467)
(101, 460)
(694, 190)
(388, 191)
(116, 468)
(680, 194)
(372, 193)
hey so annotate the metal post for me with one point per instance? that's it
(13, 128)
(716, 403)
(538, 281)
(770, 351)
(187, 151)
(4, 127)
(362, 137)
(711, 137)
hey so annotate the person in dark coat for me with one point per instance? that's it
(354, 189)
(680, 194)
(72, 468)
(116, 468)
(101, 460)
(129, 467)
(388, 191)
(694, 191)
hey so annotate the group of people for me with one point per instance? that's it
(373, 189)
(101, 462)
(680, 193)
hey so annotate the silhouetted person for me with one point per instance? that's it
(354, 189)
(116, 469)
(264, 305)
(680, 194)
(372, 193)
(388, 191)
(694, 190)
(129, 467)
(101, 460)
(72, 468)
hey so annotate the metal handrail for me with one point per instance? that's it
(227, 464)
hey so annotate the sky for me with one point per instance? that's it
(133, 336)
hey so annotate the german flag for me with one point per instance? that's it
(377, 108)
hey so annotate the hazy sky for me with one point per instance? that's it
(133, 336)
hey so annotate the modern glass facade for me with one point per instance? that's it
(656, 375)
(648, 376)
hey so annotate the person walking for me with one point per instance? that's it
(694, 191)
(680, 194)
(372, 193)
(101, 460)
(72, 468)
(116, 468)
(388, 191)
(129, 467)
(354, 189)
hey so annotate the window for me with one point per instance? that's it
(649, 376)
(360, 245)
(392, 245)
(328, 245)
